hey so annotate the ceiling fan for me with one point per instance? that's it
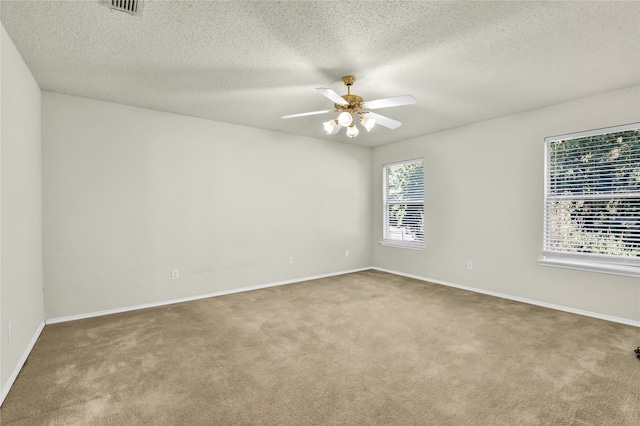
(353, 108)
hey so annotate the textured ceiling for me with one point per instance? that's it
(250, 62)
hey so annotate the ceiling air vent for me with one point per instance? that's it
(132, 7)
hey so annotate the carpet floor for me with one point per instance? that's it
(367, 348)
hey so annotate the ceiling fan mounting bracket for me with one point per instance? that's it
(348, 80)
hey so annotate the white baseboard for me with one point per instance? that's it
(23, 359)
(198, 297)
(518, 299)
(297, 280)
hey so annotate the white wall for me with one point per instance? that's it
(131, 193)
(484, 202)
(20, 212)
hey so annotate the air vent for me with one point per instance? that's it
(132, 7)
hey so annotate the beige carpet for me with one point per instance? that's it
(367, 348)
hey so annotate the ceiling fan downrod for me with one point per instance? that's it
(354, 102)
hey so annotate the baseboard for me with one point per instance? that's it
(198, 297)
(23, 359)
(518, 299)
(297, 280)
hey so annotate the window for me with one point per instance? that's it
(592, 200)
(404, 204)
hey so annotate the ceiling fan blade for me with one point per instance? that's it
(387, 122)
(332, 95)
(390, 102)
(302, 114)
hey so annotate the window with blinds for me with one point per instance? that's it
(403, 187)
(592, 200)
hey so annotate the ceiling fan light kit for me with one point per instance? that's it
(352, 130)
(345, 119)
(332, 126)
(367, 122)
(353, 108)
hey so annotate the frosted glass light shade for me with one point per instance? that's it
(352, 131)
(367, 122)
(345, 119)
(331, 126)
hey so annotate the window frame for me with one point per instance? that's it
(407, 244)
(611, 264)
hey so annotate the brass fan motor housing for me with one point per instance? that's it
(354, 103)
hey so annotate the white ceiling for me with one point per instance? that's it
(250, 62)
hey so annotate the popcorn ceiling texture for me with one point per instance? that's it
(249, 63)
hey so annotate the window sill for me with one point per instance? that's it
(402, 244)
(591, 266)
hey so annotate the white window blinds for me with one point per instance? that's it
(404, 204)
(592, 199)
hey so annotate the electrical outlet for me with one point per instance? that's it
(291, 260)
(175, 274)
(10, 330)
(469, 264)
(346, 253)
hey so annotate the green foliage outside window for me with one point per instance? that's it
(593, 194)
(405, 201)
